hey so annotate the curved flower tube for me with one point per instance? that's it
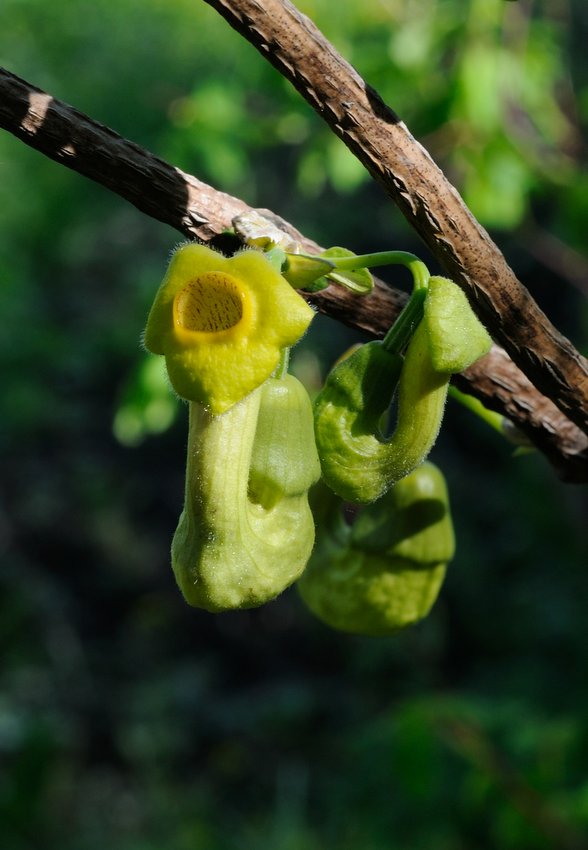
(385, 571)
(358, 462)
(222, 323)
(246, 531)
(457, 338)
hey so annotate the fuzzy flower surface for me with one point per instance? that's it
(222, 323)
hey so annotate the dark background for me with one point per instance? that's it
(129, 720)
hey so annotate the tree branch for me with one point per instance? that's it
(170, 195)
(383, 144)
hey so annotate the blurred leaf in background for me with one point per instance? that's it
(147, 405)
(130, 720)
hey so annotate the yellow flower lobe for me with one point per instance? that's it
(222, 323)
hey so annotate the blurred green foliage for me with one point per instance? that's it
(130, 720)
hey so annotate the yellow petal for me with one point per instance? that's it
(222, 323)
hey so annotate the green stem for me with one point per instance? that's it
(495, 420)
(401, 331)
(281, 369)
(490, 417)
(417, 268)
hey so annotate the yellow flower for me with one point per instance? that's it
(222, 323)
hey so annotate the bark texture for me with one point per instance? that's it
(383, 144)
(198, 211)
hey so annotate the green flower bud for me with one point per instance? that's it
(385, 571)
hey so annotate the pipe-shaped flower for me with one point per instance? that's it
(222, 323)
(384, 572)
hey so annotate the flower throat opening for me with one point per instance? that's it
(209, 303)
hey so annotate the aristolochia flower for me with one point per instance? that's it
(222, 323)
